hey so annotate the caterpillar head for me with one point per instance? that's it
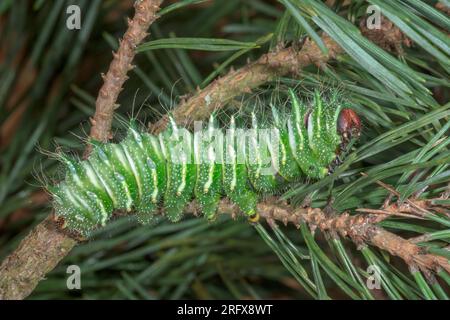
(349, 128)
(348, 125)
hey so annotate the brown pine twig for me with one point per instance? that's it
(361, 229)
(41, 250)
(267, 68)
(122, 63)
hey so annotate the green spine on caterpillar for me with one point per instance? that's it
(262, 158)
(137, 149)
(235, 179)
(181, 170)
(156, 163)
(301, 131)
(288, 166)
(322, 135)
(333, 109)
(122, 174)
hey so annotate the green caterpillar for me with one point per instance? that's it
(145, 172)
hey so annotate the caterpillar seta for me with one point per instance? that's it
(146, 172)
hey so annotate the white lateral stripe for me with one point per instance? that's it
(91, 175)
(78, 180)
(109, 191)
(283, 153)
(197, 148)
(106, 186)
(128, 195)
(183, 175)
(155, 183)
(118, 152)
(300, 133)
(119, 177)
(104, 213)
(102, 208)
(282, 147)
(319, 110)
(256, 148)
(137, 138)
(77, 199)
(71, 197)
(211, 157)
(74, 174)
(134, 170)
(162, 146)
(291, 138)
(273, 154)
(233, 157)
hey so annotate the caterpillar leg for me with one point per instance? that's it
(208, 205)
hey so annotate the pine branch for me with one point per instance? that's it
(38, 253)
(41, 250)
(361, 229)
(122, 63)
(267, 68)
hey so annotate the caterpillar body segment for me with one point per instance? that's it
(263, 157)
(288, 169)
(235, 178)
(208, 154)
(145, 173)
(181, 170)
(142, 159)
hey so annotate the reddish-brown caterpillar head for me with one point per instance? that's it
(349, 124)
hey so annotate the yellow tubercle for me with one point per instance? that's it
(254, 218)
